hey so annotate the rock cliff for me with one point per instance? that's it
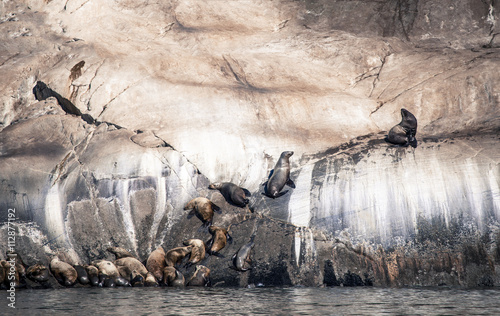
(115, 114)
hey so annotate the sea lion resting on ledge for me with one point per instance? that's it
(404, 133)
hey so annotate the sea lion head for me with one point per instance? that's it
(215, 186)
(408, 120)
(286, 154)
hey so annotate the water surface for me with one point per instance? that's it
(257, 301)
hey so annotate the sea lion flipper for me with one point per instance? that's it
(280, 194)
(270, 174)
(190, 214)
(413, 143)
(215, 253)
(215, 207)
(290, 183)
(247, 193)
(229, 239)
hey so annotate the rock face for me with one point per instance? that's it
(114, 115)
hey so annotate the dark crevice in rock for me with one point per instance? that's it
(43, 92)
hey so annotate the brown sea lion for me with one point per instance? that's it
(232, 193)
(173, 277)
(201, 277)
(156, 263)
(220, 236)
(404, 133)
(128, 264)
(38, 273)
(279, 176)
(2, 274)
(120, 252)
(93, 274)
(150, 280)
(11, 273)
(174, 256)
(203, 208)
(108, 273)
(64, 273)
(197, 251)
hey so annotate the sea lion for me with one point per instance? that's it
(121, 281)
(12, 274)
(106, 281)
(201, 277)
(120, 252)
(279, 176)
(156, 263)
(2, 275)
(203, 208)
(232, 193)
(174, 256)
(83, 277)
(136, 279)
(241, 259)
(404, 133)
(220, 236)
(150, 280)
(128, 264)
(93, 274)
(20, 266)
(38, 273)
(197, 251)
(173, 277)
(64, 273)
(107, 269)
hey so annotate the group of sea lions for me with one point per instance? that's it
(126, 270)
(161, 268)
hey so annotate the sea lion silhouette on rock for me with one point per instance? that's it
(203, 208)
(220, 236)
(156, 263)
(241, 259)
(404, 133)
(232, 193)
(279, 176)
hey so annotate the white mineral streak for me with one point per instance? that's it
(299, 210)
(54, 221)
(123, 192)
(384, 199)
(151, 165)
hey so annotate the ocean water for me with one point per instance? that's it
(256, 301)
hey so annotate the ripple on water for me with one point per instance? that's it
(258, 301)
